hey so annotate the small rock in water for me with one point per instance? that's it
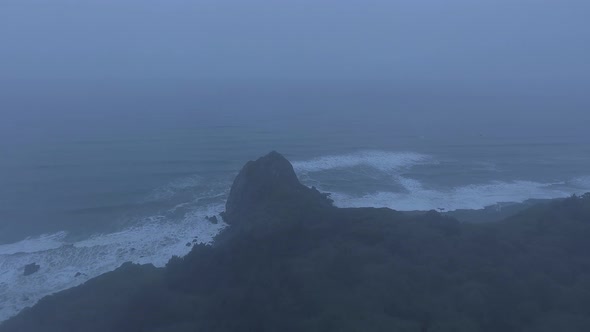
(78, 274)
(31, 268)
(195, 240)
(212, 219)
(188, 244)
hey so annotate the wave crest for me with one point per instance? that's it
(381, 160)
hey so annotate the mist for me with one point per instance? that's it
(429, 167)
(405, 61)
(454, 40)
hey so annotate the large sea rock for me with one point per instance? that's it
(267, 186)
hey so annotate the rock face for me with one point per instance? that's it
(266, 184)
(31, 268)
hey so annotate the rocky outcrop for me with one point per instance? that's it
(31, 268)
(267, 185)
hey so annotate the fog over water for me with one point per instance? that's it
(123, 123)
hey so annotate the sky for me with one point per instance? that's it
(518, 66)
(413, 40)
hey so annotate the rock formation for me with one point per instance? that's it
(31, 268)
(269, 184)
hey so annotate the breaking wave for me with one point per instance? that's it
(155, 241)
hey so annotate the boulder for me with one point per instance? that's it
(267, 185)
(31, 268)
(212, 219)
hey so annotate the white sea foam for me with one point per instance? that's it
(154, 241)
(475, 196)
(381, 160)
(418, 196)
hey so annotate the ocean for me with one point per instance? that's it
(94, 175)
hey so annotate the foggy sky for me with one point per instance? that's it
(463, 40)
